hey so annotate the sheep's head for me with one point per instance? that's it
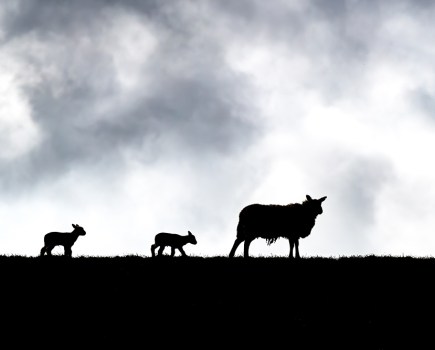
(192, 238)
(79, 230)
(315, 205)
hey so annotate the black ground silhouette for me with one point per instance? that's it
(350, 302)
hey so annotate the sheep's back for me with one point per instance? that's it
(268, 220)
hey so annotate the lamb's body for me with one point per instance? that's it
(292, 221)
(65, 239)
(173, 240)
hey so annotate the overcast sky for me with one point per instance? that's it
(134, 117)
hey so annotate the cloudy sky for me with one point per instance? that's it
(134, 117)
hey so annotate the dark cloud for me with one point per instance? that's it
(189, 103)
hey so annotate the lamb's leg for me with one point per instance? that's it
(183, 253)
(153, 248)
(68, 251)
(43, 249)
(235, 246)
(292, 244)
(49, 249)
(160, 252)
(172, 251)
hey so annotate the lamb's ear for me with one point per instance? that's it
(309, 198)
(322, 199)
(73, 225)
(190, 233)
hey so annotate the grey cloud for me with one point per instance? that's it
(199, 109)
(424, 101)
(361, 183)
(335, 37)
(192, 104)
(51, 16)
(356, 183)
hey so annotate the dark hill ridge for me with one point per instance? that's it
(350, 302)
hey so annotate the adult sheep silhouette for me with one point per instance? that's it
(65, 239)
(173, 240)
(271, 221)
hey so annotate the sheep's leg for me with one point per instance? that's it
(235, 245)
(292, 244)
(153, 248)
(172, 251)
(297, 248)
(246, 247)
(42, 251)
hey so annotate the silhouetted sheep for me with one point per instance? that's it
(173, 240)
(270, 221)
(65, 239)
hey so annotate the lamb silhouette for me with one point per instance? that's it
(65, 239)
(173, 240)
(270, 221)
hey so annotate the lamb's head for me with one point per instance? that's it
(314, 205)
(191, 237)
(78, 230)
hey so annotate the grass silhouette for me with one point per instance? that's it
(367, 302)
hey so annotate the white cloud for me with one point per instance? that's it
(18, 131)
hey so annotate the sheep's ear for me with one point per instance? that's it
(322, 199)
(190, 233)
(309, 198)
(73, 225)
